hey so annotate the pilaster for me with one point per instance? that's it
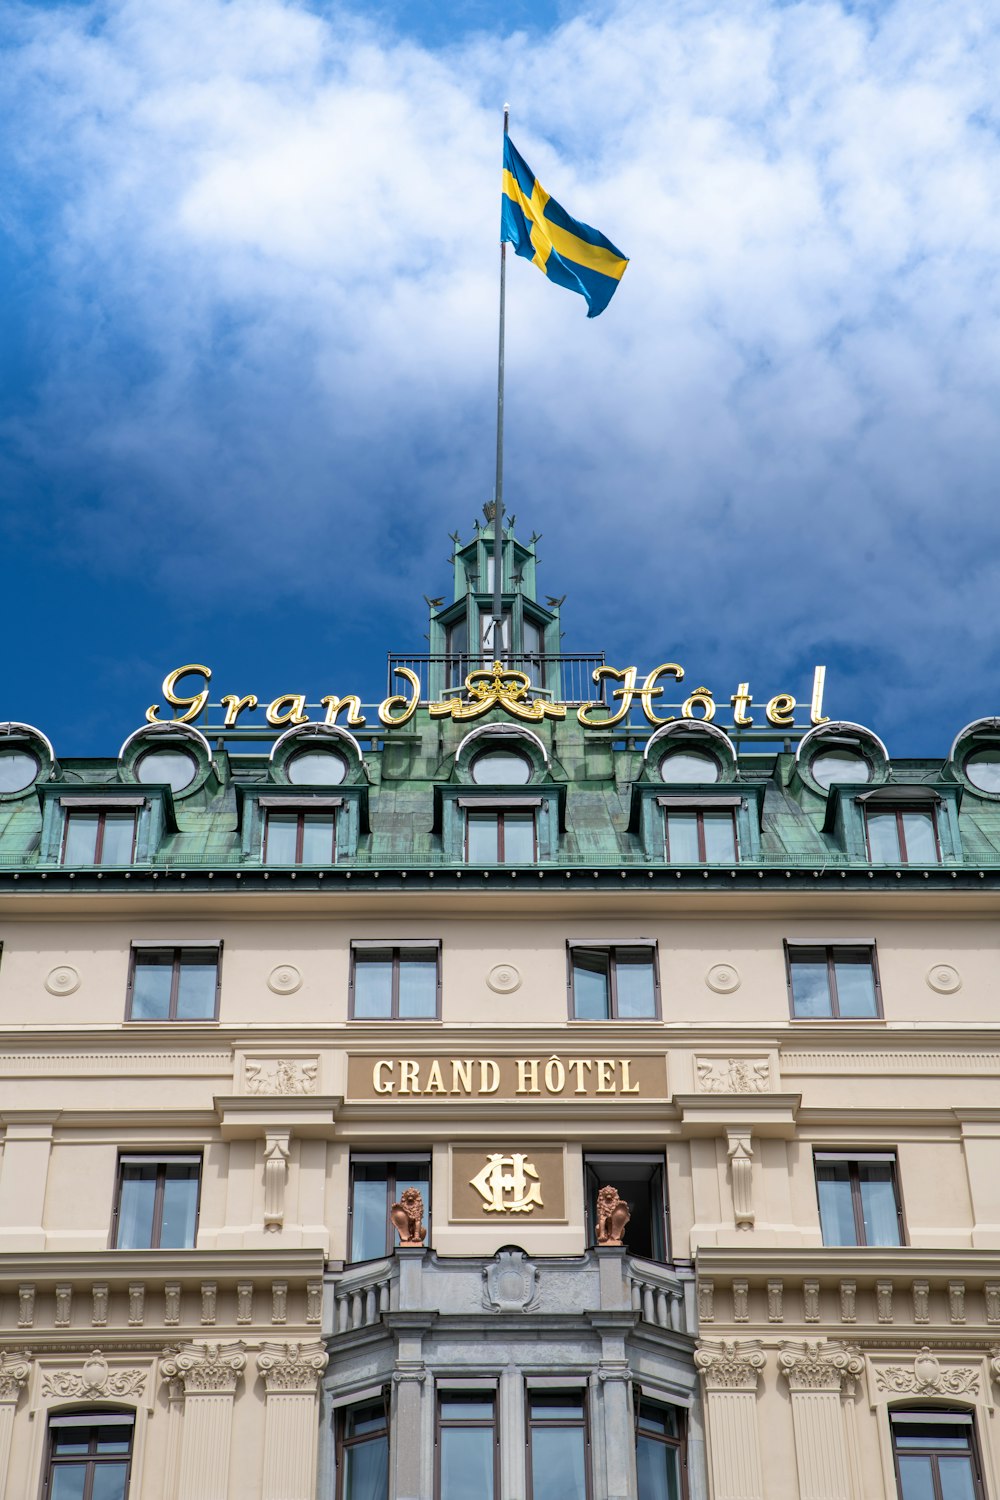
(291, 1374)
(730, 1370)
(14, 1372)
(818, 1375)
(209, 1373)
(24, 1172)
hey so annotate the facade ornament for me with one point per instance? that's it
(314, 1301)
(848, 1301)
(408, 1217)
(276, 1156)
(99, 1304)
(244, 1302)
(741, 1300)
(508, 1184)
(292, 1367)
(95, 1379)
(25, 1305)
(206, 1368)
(510, 1282)
(956, 1301)
(775, 1301)
(497, 687)
(282, 1077)
(706, 1301)
(209, 1299)
(927, 1377)
(921, 1303)
(733, 1075)
(883, 1301)
(136, 1304)
(820, 1366)
(613, 1214)
(14, 1371)
(172, 1303)
(730, 1364)
(64, 1303)
(992, 1293)
(279, 1301)
(740, 1155)
(810, 1301)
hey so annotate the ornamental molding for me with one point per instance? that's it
(820, 1366)
(292, 1367)
(733, 1075)
(14, 1372)
(730, 1365)
(94, 1378)
(510, 1283)
(204, 1368)
(929, 1374)
(920, 1064)
(151, 1064)
(282, 1076)
(497, 687)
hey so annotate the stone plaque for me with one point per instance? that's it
(508, 1183)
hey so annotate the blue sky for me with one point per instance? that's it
(248, 323)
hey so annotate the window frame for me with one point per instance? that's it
(570, 1389)
(657, 1162)
(931, 1415)
(854, 1158)
(500, 813)
(342, 1442)
(363, 945)
(573, 946)
(300, 814)
(101, 814)
(370, 1159)
(176, 949)
(678, 1445)
(791, 945)
(898, 810)
(162, 1161)
(699, 813)
(482, 1390)
(118, 1416)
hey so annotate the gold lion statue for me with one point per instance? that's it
(612, 1216)
(408, 1217)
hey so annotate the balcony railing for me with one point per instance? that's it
(567, 678)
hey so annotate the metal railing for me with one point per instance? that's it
(566, 678)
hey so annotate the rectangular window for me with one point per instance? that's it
(618, 983)
(700, 836)
(157, 1203)
(639, 1180)
(935, 1455)
(363, 1452)
(375, 1187)
(859, 1198)
(900, 836)
(89, 1456)
(395, 983)
(173, 984)
(101, 837)
(833, 981)
(558, 1446)
(300, 838)
(659, 1449)
(467, 1446)
(500, 837)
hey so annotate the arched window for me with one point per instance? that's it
(935, 1455)
(89, 1455)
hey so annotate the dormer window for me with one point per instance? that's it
(166, 767)
(300, 836)
(104, 836)
(18, 769)
(982, 768)
(841, 754)
(501, 767)
(316, 768)
(833, 765)
(689, 766)
(504, 836)
(173, 755)
(25, 757)
(700, 835)
(902, 836)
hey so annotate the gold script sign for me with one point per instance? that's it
(554, 1077)
(507, 1181)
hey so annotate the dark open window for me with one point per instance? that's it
(558, 1445)
(935, 1455)
(859, 1201)
(500, 837)
(833, 980)
(902, 836)
(173, 984)
(300, 838)
(700, 836)
(156, 1203)
(99, 837)
(89, 1455)
(618, 982)
(467, 1446)
(659, 1450)
(375, 1186)
(363, 1451)
(395, 982)
(639, 1181)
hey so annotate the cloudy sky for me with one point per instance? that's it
(248, 260)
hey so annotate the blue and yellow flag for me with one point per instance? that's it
(568, 252)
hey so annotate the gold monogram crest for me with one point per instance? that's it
(497, 687)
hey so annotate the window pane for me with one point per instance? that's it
(119, 829)
(661, 1419)
(174, 768)
(831, 766)
(921, 845)
(369, 1230)
(316, 768)
(366, 1470)
(836, 1213)
(689, 766)
(180, 1205)
(591, 984)
(373, 983)
(519, 838)
(364, 1421)
(657, 1467)
(878, 1203)
(916, 1478)
(634, 979)
(956, 1478)
(483, 837)
(116, 1439)
(109, 1481)
(720, 837)
(883, 839)
(317, 838)
(810, 983)
(982, 769)
(68, 1481)
(855, 982)
(135, 1213)
(196, 984)
(501, 768)
(463, 1408)
(279, 846)
(682, 838)
(558, 1463)
(417, 982)
(81, 838)
(18, 770)
(151, 986)
(467, 1463)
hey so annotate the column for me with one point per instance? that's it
(209, 1373)
(14, 1371)
(730, 1371)
(291, 1378)
(818, 1374)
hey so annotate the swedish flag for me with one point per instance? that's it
(568, 252)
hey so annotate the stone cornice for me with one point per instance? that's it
(188, 1267)
(829, 1263)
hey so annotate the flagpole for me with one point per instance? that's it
(498, 512)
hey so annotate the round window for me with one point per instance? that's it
(18, 769)
(689, 766)
(983, 769)
(831, 766)
(173, 768)
(501, 768)
(316, 768)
